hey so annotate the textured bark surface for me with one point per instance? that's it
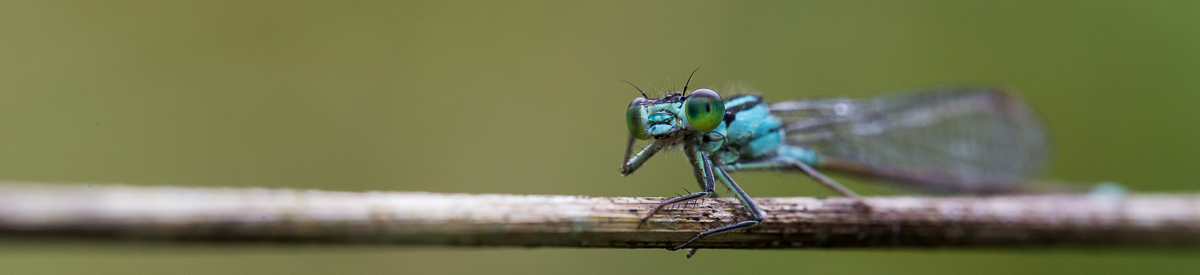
(272, 215)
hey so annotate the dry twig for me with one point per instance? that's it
(251, 215)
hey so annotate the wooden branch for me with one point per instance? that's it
(268, 215)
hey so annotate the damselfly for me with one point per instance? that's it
(973, 140)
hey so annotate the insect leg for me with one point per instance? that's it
(629, 149)
(633, 163)
(755, 213)
(788, 163)
(703, 168)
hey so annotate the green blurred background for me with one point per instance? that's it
(525, 98)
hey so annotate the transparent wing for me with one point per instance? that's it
(964, 140)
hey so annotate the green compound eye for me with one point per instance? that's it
(633, 118)
(704, 110)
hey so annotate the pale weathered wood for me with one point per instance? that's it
(257, 215)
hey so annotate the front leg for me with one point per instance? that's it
(633, 163)
(702, 167)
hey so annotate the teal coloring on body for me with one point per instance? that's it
(968, 140)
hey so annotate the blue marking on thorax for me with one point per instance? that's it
(755, 130)
(739, 101)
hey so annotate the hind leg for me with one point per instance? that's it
(789, 163)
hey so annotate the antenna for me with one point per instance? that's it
(689, 81)
(640, 89)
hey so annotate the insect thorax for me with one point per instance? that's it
(750, 131)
